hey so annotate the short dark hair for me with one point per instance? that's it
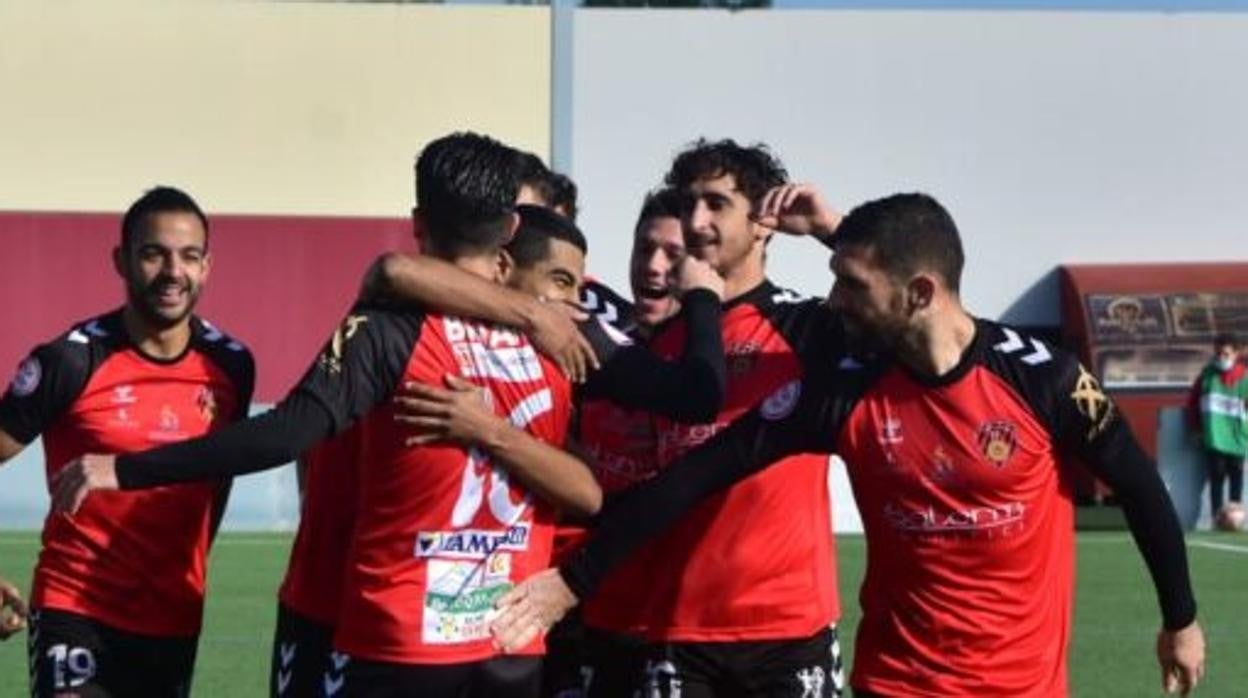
(907, 233)
(555, 190)
(538, 226)
(466, 187)
(563, 194)
(160, 199)
(1226, 339)
(660, 203)
(755, 169)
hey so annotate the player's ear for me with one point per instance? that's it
(920, 291)
(513, 224)
(505, 266)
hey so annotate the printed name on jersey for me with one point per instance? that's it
(489, 352)
(1035, 351)
(1092, 403)
(26, 380)
(781, 403)
(997, 441)
(472, 544)
(331, 358)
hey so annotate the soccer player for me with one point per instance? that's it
(740, 597)
(956, 434)
(440, 529)
(119, 587)
(13, 611)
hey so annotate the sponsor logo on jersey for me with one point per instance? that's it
(997, 441)
(890, 432)
(27, 378)
(742, 357)
(124, 395)
(471, 543)
(999, 518)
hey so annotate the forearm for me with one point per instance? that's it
(267, 441)
(689, 389)
(553, 474)
(1154, 525)
(442, 286)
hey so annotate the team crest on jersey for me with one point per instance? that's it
(1092, 402)
(27, 378)
(997, 441)
(206, 401)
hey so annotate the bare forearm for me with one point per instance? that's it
(551, 473)
(440, 285)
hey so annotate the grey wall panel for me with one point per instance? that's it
(1053, 137)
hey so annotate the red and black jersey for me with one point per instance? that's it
(755, 562)
(440, 532)
(965, 502)
(132, 560)
(313, 583)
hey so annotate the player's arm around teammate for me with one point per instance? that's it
(439, 284)
(460, 413)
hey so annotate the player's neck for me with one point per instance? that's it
(156, 342)
(743, 279)
(938, 346)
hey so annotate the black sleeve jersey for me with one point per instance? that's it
(1084, 422)
(49, 380)
(600, 300)
(689, 389)
(53, 377)
(359, 367)
(804, 416)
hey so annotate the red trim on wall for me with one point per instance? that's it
(278, 283)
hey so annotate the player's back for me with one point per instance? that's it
(441, 532)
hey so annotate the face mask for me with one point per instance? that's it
(1225, 364)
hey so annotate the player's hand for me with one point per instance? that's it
(81, 476)
(13, 611)
(530, 609)
(554, 332)
(694, 273)
(460, 413)
(1181, 654)
(797, 209)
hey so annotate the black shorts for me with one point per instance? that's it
(71, 654)
(501, 676)
(805, 668)
(301, 655)
(563, 666)
(613, 664)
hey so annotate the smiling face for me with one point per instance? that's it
(657, 248)
(165, 266)
(718, 228)
(557, 277)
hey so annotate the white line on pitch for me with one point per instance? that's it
(1220, 546)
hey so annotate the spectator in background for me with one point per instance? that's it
(1218, 415)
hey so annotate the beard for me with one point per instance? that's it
(145, 299)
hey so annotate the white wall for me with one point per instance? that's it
(1052, 137)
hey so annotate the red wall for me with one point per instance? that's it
(278, 283)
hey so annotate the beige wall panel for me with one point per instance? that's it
(255, 107)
